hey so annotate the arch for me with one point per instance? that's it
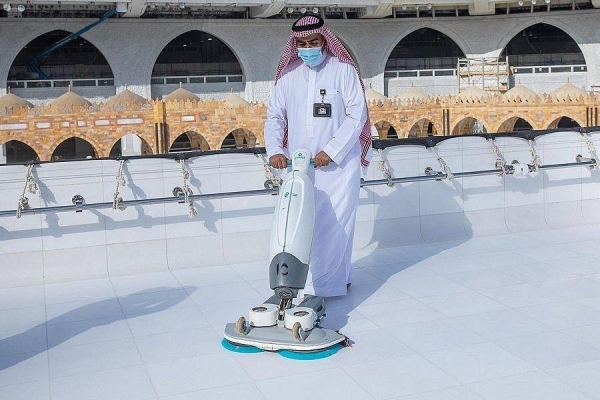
(188, 141)
(564, 122)
(74, 148)
(18, 152)
(239, 138)
(469, 125)
(116, 149)
(83, 59)
(515, 124)
(542, 44)
(179, 57)
(421, 128)
(443, 51)
(386, 130)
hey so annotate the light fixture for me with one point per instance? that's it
(182, 5)
(303, 10)
(20, 8)
(520, 3)
(290, 10)
(6, 7)
(403, 7)
(417, 7)
(429, 6)
(209, 38)
(152, 6)
(533, 2)
(547, 1)
(315, 10)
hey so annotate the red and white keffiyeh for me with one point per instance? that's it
(306, 26)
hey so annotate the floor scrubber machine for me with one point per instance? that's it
(278, 324)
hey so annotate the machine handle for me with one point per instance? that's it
(289, 163)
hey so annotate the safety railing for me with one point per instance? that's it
(184, 194)
(59, 83)
(547, 69)
(419, 73)
(176, 80)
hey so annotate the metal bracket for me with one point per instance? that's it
(78, 201)
(593, 161)
(178, 192)
(431, 172)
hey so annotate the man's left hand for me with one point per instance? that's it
(322, 159)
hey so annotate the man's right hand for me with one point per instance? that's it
(278, 161)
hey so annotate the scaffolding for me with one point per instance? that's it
(489, 74)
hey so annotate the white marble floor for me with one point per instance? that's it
(514, 317)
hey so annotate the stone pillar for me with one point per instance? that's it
(3, 154)
(131, 145)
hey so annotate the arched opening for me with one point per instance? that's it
(385, 130)
(79, 59)
(543, 45)
(564, 122)
(468, 126)
(515, 124)
(18, 152)
(424, 48)
(422, 128)
(130, 145)
(189, 141)
(196, 54)
(239, 138)
(73, 149)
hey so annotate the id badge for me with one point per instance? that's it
(322, 110)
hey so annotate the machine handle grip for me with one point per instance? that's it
(289, 163)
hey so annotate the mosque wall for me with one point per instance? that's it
(131, 46)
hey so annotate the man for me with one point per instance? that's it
(319, 104)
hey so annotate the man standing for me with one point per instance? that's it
(319, 104)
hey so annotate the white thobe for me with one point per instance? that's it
(337, 185)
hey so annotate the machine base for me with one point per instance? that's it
(274, 338)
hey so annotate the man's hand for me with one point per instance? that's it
(322, 159)
(278, 161)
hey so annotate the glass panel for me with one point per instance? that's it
(60, 83)
(235, 78)
(197, 79)
(407, 73)
(425, 73)
(176, 81)
(581, 68)
(444, 72)
(523, 70)
(106, 82)
(215, 79)
(157, 81)
(16, 85)
(561, 69)
(542, 70)
(389, 74)
(84, 83)
(39, 84)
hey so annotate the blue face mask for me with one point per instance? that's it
(311, 56)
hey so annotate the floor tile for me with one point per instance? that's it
(563, 314)
(373, 294)
(268, 365)
(478, 362)
(565, 350)
(150, 302)
(428, 286)
(23, 367)
(464, 303)
(502, 324)
(147, 283)
(84, 310)
(129, 383)
(371, 346)
(571, 288)
(88, 331)
(415, 252)
(578, 265)
(246, 391)
(207, 276)
(195, 373)
(167, 321)
(399, 271)
(435, 335)
(23, 340)
(399, 376)
(376, 257)
(93, 357)
(223, 293)
(451, 393)
(583, 377)
(534, 271)
(545, 253)
(589, 334)
(327, 384)
(79, 291)
(521, 295)
(252, 271)
(482, 278)
(174, 345)
(22, 318)
(39, 390)
(22, 297)
(536, 385)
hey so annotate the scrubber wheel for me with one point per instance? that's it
(240, 325)
(298, 332)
